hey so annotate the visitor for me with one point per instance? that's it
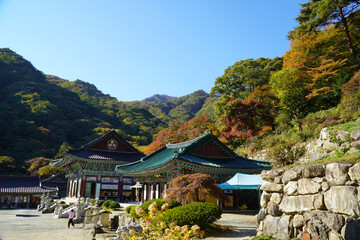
(71, 218)
(8, 203)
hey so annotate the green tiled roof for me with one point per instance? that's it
(182, 151)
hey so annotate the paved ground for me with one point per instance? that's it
(29, 224)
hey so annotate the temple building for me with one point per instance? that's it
(22, 192)
(205, 154)
(90, 168)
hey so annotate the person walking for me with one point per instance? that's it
(71, 218)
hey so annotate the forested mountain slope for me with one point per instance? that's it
(39, 112)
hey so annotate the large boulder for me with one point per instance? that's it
(354, 172)
(336, 173)
(298, 204)
(271, 187)
(277, 227)
(314, 171)
(342, 199)
(289, 175)
(342, 135)
(355, 135)
(291, 188)
(308, 186)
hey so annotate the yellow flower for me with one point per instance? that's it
(162, 224)
(196, 229)
(184, 229)
(139, 211)
(173, 224)
(165, 207)
(131, 231)
(177, 228)
(123, 234)
(167, 231)
(202, 233)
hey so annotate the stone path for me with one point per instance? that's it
(29, 224)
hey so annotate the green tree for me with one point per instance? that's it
(63, 148)
(317, 14)
(289, 85)
(48, 171)
(241, 79)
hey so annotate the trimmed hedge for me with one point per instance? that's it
(107, 203)
(200, 213)
(114, 205)
(128, 208)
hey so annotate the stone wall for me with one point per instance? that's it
(313, 201)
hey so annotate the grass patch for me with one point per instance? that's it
(349, 126)
(348, 158)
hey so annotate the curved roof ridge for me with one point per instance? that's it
(187, 143)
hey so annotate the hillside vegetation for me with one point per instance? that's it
(274, 105)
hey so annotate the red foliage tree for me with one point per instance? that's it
(193, 188)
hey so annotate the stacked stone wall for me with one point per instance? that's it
(310, 202)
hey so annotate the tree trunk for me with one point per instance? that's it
(347, 33)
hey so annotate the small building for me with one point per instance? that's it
(58, 181)
(90, 168)
(21, 191)
(205, 154)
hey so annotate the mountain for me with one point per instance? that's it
(39, 112)
(158, 97)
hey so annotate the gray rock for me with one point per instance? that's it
(260, 216)
(308, 186)
(336, 173)
(314, 171)
(325, 186)
(355, 144)
(334, 236)
(290, 188)
(355, 135)
(325, 134)
(298, 221)
(268, 175)
(289, 175)
(352, 150)
(278, 180)
(276, 198)
(264, 199)
(277, 227)
(298, 204)
(271, 187)
(329, 145)
(354, 172)
(342, 135)
(345, 145)
(319, 201)
(273, 209)
(342, 199)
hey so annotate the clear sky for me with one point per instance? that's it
(136, 48)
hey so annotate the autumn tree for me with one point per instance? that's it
(48, 171)
(317, 14)
(177, 132)
(7, 164)
(35, 164)
(244, 119)
(63, 148)
(193, 188)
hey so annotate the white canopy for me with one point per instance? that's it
(242, 181)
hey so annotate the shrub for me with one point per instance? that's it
(107, 203)
(174, 203)
(93, 202)
(128, 208)
(350, 99)
(200, 213)
(133, 212)
(145, 205)
(114, 205)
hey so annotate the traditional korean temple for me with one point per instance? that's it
(205, 154)
(58, 181)
(90, 168)
(22, 192)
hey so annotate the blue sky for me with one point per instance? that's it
(136, 48)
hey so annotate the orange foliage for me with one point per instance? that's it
(179, 133)
(314, 53)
